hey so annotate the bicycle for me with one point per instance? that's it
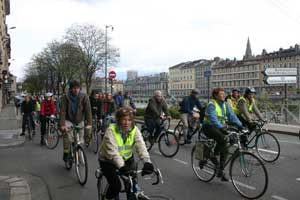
(130, 185)
(95, 134)
(29, 128)
(51, 137)
(247, 172)
(265, 144)
(167, 141)
(178, 131)
(77, 156)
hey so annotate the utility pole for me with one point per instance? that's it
(105, 70)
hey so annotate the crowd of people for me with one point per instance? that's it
(121, 137)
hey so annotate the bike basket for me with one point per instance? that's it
(199, 151)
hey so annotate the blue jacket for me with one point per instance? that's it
(214, 121)
(188, 103)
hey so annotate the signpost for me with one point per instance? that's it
(281, 76)
(207, 74)
(112, 75)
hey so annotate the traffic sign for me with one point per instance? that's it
(112, 74)
(273, 80)
(207, 73)
(280, 72)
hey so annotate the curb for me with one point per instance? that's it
(13, 144)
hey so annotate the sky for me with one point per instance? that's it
(153, 35)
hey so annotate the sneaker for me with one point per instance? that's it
(222, 175)
(215, 161)
(142, 196)
(66, 157)
(22, 134)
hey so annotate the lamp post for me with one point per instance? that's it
(105, 71)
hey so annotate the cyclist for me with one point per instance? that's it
(96, 108)
(247, 107)
(117, 151)
(27, 110)
(218, 116)
(128, 101)
(75, 108)
(233, 99)
(48, 108)
(187, 114)
(156, 110)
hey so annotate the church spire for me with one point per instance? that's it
(248, 53)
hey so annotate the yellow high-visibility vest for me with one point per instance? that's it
(221, 116)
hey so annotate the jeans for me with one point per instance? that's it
(30, 121)
(68, 136)
(153, 124)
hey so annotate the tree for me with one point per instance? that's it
(91, 40)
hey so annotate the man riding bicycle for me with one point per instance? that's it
(96, 107)
(48, 108)
(187, 112)
(27, 109)
(75, 108)
(233, 99)
(117, 151)
(246, 107)
(218, 116)
(157, 110)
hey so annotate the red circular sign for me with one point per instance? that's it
(112, 74)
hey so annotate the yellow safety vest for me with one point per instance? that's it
(233, 104)
(38, 106)
(221, 116)
(249, 105)
(125, 149)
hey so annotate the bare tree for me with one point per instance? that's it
(91, 40)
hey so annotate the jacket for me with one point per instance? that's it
(83, 112)
(96, 107)
(111, 154)
(188, 103)
(243, 109)
(211, 114)
(154, 109)
(48, 108)
(27, 107)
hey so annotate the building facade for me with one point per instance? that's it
(132, 74)
(4, 52)
(142, 88)
(99, 85)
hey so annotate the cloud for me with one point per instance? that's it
(154, 35)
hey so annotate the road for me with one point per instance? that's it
(180, 183)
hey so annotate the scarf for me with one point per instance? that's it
(74, 100)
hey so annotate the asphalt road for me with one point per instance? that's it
(180, 183)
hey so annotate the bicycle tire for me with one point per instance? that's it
(267, 149)
(102, 186)
(95, 141)
(206, 172)
(168, 139)
(51, 138)
(81, 160)
(242, 164)
(146, 135)
(178, 131)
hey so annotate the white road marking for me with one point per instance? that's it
(245, 185)
(268, 151)
(278, 197)
(297, 179)
(157, 152)
(286, 141)
(181, 161)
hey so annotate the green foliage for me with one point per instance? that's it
(174, 112)
(140, 111)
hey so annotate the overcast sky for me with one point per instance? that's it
(155, 34)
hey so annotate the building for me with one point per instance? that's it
(4, 52)
(99, 85)
(183, 78)
(202, 81)
(132, 74)
(142, 88)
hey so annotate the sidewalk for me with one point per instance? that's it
(21, 186)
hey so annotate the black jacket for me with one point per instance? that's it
(27, 107)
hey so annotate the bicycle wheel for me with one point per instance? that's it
(204, 169)
(178, 131)
(248, 175)
(147, 136)
(168, 144)
(51, 138)
(267, 147)
(95, 141)
(81, 165)
(102, 186)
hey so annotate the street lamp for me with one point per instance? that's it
(13, 27)
(112, 28)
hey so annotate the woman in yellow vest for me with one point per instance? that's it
(218, 115)
(117, 150)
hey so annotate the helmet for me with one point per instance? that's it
(250, 90)
(48, 94)
(74, 83)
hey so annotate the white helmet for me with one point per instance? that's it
(48, 94)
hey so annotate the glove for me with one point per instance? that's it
(147, 169)
(125, 170)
